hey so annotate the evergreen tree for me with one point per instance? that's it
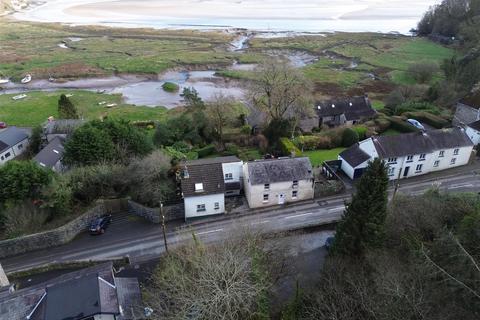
(66, 109)
(192, 98)
(363, 223)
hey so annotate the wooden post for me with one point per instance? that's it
(162, 215)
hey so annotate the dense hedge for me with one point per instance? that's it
(206, 151)
(349, 137)
(428, 118)
(308, 143)
(361, 131)
(288, 147)
(401, 125)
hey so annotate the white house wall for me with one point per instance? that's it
(209, 201)
(235, 168)
(473, 134)
(20, 147)
(6, 156)
(349, 170)
(255, 193)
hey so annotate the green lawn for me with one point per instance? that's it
(38, 106)
(317, 157)
(378, 105)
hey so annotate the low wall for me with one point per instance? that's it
(51, 238)
(171, 212)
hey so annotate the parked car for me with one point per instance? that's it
(3, 125)
(416, 124)
(99, 225)
(329, 242)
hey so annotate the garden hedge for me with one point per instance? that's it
(288, 147)
(428, 118)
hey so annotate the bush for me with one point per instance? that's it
(400, 125)
(170, 87)
(313, 142)
(382, 124)
(349, 137)
(22, 219)
(423, 72)
(181, 146)
(231, 150)
(288, 148)
(428, 118)
(206, 151)
(361, 131)
(246, 129)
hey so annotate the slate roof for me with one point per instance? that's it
(3, 146)
(228, 159)
(354, 155)
(210, 175)
(474, 125)
(72, 296)
(354, 108)
(279, 170)
(418, 142)
(13, 135)
(51, 154)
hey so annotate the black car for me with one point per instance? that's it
(99, 225)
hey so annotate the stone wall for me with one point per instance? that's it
(51, 238)
(172, 212)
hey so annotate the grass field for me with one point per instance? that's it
(317, 157)
(38, 106)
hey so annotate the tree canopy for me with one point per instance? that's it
(66, 109)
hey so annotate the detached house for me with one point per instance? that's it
(278, 181)
(467, 110)
(344, 111)
(206, 183)
(411, 154)
(51, 156)
(473, 132)
(13, 142)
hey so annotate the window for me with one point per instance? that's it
(201, 208)
(20, 147)
(198, 187)
(409, 158)
(454, 160)
(265, 198)
(422, 157)
(455, 152)
(7, 155)
(217, 206)
(442, 153)
(267, 186)
(391, 171)
(228, 176)
(294, 194)
(436, 164)
(295, 184)
(419, 168)
(392, 160)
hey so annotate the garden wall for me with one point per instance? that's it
(171, 212)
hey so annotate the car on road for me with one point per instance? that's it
(329, 242)
(3, 125)
(416, 124)
(99, 225)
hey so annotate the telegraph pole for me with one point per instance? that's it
(397, 184)
(162, 215)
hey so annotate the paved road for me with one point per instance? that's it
(143, 241)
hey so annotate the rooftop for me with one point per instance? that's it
(12, 136)
(354, 155)
(354, 108)
(474, 125)
(279, 170)
(51, 154)
(203, 179)
(229, 159)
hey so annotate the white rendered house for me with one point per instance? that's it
(13, 142)
(473, 132)
(409, 155)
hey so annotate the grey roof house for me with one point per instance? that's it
(92, 293)
(278, 181)
(467, 110)
(344, 111)
(51, 156)
(13, 142)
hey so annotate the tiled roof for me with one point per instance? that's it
(3, 146)
(354, 155)
(354, 108)
(198, 162)
(13, 135)
(279, 170)
(420, 142)
(209, 175)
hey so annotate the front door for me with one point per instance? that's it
(405, 173)
(281, 198)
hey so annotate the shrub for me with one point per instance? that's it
(206, 151)
(416, 106)
(361, 131)
(231, 150)
(288, 148)
(382, 124)
(400, 125)
(181, 146)
(349, 137)
(428, 118)
(246, 129)
(170, 87)
(313, 142)
(335, 135)
(423, 71)
(24, 218)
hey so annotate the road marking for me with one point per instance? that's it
(261, 222)
(337, 208)
(211, 231)
(298, 215)
(469, 185)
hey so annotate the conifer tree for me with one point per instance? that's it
(363, 223)
(66, 109)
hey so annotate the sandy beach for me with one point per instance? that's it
(265, 15)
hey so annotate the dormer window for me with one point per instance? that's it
(198, 187)
(228, 176)
(295, 184)
(267, 186)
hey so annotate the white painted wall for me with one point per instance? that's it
(6, 156)
(368, 147)
(473, 134)
(209, 202)
(254, 193)
(235, 168)
(13, 152)
(349, 170)
(20, 147)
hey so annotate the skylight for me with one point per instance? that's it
(198, 187)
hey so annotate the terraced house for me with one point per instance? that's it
(409, 155)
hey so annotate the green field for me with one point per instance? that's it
(38, 106)
(317, 157)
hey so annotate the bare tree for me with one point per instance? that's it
(278, 89)
(220, 112)
(219, 281)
